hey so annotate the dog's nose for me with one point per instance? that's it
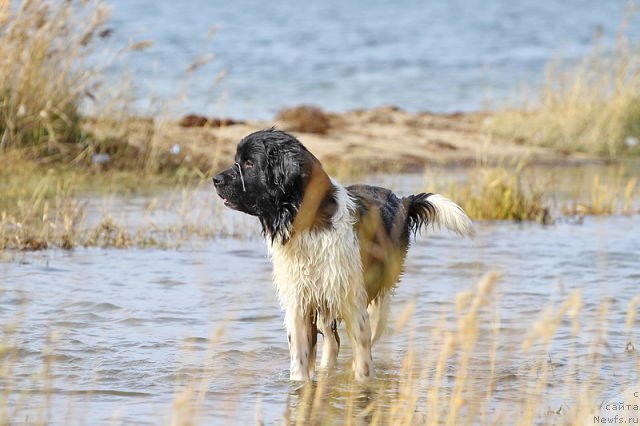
(218, 179)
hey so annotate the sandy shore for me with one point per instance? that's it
(383, 138)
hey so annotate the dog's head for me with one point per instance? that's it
(270, 178)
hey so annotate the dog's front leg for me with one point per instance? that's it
(301, 333)
(359, 331)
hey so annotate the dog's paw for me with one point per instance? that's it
(299, 376)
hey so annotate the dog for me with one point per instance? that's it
(337, 252)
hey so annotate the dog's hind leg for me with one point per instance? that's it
(301, 333)
(378, 313)
(313, 343)
(359, 331)
(330, 340)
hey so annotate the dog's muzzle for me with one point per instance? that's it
(222, 178)
(218, 180)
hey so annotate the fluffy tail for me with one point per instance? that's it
(437, 211)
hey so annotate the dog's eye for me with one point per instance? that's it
(248, 163)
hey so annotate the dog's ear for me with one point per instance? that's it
(283, 163)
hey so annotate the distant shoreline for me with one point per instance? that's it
(381, 139)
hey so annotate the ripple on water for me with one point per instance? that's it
(245, 253)
(196, 339)
(258, 318)
(71, 325)
(168, 282)
(106, 307)
(134, 321)
(468, 265)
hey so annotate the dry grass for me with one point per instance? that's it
(49, 70)
(44, 72)
(524, 193)
(456, 381)
(592, 106)
(43, 208)
(501, 193)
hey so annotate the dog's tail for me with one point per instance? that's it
(438, 211)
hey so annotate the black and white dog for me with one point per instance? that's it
(337, 251)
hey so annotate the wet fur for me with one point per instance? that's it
(336, 251)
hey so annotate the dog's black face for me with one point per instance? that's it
(245, 182)
(272, 170)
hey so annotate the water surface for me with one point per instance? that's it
(132, 328)
(420, 55)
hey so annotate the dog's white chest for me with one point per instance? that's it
(320, 269)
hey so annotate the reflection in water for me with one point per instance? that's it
(333, 395)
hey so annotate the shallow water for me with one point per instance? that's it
(438, 55)
(131, 328)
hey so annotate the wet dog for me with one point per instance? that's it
(337, 252)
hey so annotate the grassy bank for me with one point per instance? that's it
(69, 207)
(525, 193)
(66, 208)
(51, 157)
